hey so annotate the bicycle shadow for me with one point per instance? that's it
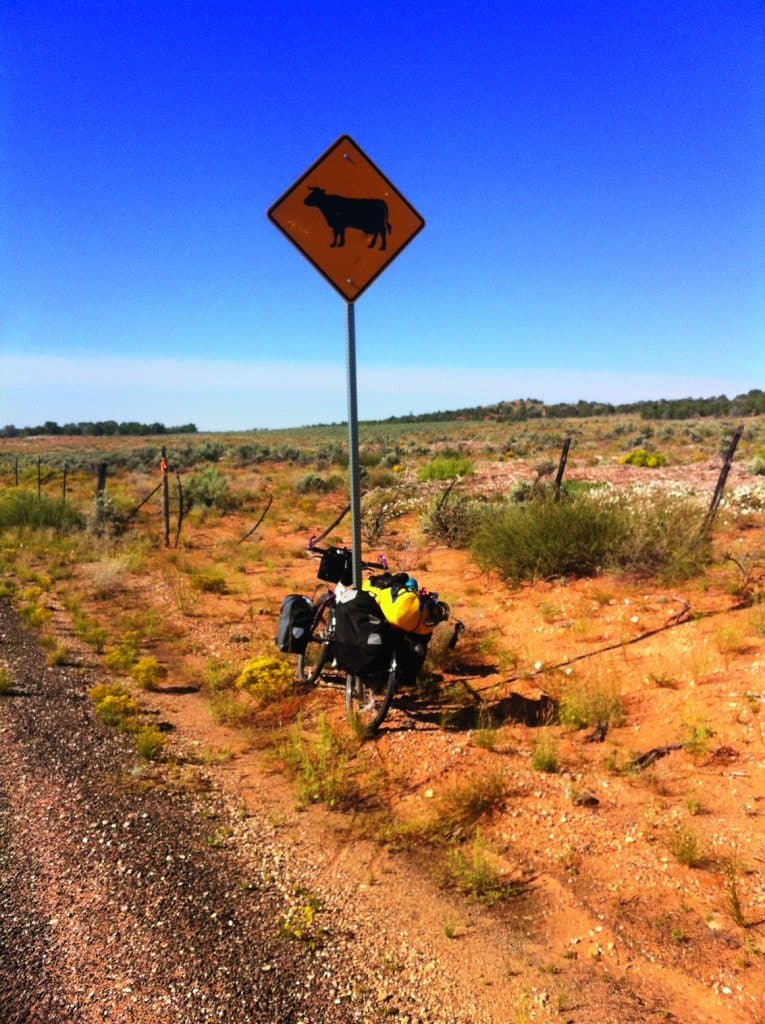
(481, 714)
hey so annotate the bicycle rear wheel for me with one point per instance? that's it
(318, 651)
(368, 697)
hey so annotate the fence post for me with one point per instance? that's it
(562, 466)
(63, 486)
(101, 479)
(39, 483)
(16, 470)
(165, 496)
(721, 480)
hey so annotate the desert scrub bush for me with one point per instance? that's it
(209, 581)
(149, 742)
(545, 538)
(114, 705)
(452, 520)
(322, 766)
(89, 631)
(378, 508)
(209, 488)
(476, 873)
(660, 534)
(22, 508)
(148, 672)
(219, 675)
(641, 457)
(544, 754)
(757, 465)
(697, 737)
(461, 808)
(446, 468)
(314, 483)
(122, 657)
(35, 614)
(266, 679)
(685, 846)
(104, 519)
(592, 530)
(300, 924)
(59, 654)
(107, 578)
(590, 701)
(5, 683)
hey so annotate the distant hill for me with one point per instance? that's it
(750, 404)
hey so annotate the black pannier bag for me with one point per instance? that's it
(363, 643)
(336, 566)
(411, 649)
(295, 618)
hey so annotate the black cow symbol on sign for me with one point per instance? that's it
(341, 212)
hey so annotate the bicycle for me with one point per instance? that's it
(368, 695)
(317, 653)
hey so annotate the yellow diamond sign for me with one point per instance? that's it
(346, 217)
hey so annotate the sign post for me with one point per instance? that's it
(350, 221)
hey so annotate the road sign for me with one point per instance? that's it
(346, 218)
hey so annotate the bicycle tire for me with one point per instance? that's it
(368, 698)
(317, 654)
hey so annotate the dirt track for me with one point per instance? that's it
(121, 899)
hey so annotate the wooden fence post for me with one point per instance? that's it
(721, 480)
(562, 466)
(101, 480)
(63, 486)
(39, 482)
(180, 508)
(165, 497)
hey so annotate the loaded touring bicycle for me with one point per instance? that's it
(377, 637)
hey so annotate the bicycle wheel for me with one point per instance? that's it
(367, 698)
(311, 662)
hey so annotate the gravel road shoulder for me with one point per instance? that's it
(124, 898)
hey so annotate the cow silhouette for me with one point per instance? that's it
(341, 212)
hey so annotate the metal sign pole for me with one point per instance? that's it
(353, 449)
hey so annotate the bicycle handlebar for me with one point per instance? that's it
(314, 549)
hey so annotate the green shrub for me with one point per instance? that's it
(588, 531)
(461, 808)
(124, 656)
(322, 766)
(757, 465)
(114, 705)
(590, 702)
(22, 508)
(475, 873)
(313, 483)
(208, 488)
(545, 538)
(446, 468)
(685, 847)
(452, 521)
(544, 755)
(267, 679)
(148, 672)
(641, 457)
(209, 581)
(149, 742)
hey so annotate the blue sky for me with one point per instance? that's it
(592, 177)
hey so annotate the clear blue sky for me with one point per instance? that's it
(592, 176)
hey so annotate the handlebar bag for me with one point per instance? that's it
(336, 566)
(363, 643)
(295, 618)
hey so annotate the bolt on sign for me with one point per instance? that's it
(346, 217)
